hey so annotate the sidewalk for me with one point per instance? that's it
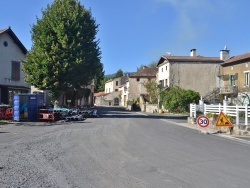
(205, 131)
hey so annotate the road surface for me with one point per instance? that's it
(119, 149)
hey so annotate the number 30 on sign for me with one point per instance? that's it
(202, 121)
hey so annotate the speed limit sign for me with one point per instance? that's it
(203, 121)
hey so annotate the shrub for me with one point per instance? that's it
(177, 100)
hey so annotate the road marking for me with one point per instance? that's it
(141, 113)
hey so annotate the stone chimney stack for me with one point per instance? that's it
(193, 52)
(224, 54)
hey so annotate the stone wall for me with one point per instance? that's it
(151, 108)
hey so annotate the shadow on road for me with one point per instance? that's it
(121, 112)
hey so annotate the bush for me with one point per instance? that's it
(177, 100)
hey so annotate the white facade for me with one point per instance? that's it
(163, 74)
(9, 53)
(124, 92)
(112, 85)
(12, 53)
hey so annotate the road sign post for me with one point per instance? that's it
(203, 121)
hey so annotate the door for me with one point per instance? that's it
(32, 108)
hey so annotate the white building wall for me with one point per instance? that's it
(8, 54)
(124, 91)
(109, 86)
(163, 73)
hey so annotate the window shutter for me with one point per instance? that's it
(15, 71)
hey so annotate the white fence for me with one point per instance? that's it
(216, 109)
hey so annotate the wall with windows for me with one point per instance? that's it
(136, 87)
(163, 74)
(10, 62)
(112, 85)
(237, 74)
(11, 76)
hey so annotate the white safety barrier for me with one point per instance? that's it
(216, 109)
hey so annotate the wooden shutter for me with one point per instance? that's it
(15, 71)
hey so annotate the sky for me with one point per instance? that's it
(138, 32)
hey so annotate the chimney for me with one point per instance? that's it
(224, 54)
(193, 52)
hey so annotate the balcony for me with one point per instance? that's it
(229, 90)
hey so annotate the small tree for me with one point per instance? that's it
(152, 90)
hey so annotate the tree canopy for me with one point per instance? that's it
(65, 52)
(151, 65)
(119, 73)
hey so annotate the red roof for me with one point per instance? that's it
(102, 93)
(145, 72)
(189, 59)
(237, 58)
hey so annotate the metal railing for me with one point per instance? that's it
(229, 89)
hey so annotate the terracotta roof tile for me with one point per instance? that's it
(102, 93)
(146, 72)
(237, 58)
(3, 30)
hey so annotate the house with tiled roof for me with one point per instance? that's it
(136, 80)
(12, 52)
(235, 78)
(111, 96)
(193, 72)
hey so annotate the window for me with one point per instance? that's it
(166, 67)
(246, 79)
(15, 71)
(116, 83)
(232, 80)
(161, 69)
(5, 43)
(166, 83)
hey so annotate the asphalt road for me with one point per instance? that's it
(120, 149)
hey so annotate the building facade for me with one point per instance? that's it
(194, 72)
(12, 53)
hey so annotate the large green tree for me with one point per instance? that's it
(65, 54)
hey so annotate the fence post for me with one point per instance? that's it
(224, 106)
(191, 110)
(237, 115)
(220, 108)
(246, 114)
(194, 110)
(205, 109)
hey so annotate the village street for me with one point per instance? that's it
(119, 149)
